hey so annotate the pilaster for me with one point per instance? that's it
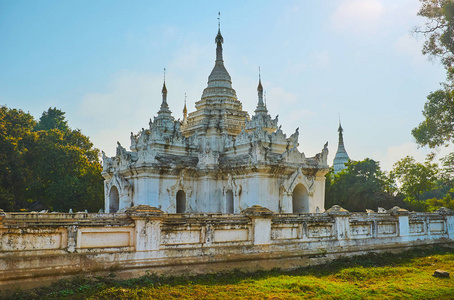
(147, 221)
(261, 224)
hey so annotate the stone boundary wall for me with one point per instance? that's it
(38, 248)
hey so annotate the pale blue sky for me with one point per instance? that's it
(102, 62)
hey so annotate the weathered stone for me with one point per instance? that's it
(397, 211)
(336, 210)
(445, 211)
(441, 273)
(35, 247)
(257, 210)
(144, 211)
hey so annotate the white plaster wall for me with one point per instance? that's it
(209, 195)
(259, 190)
(45, 243)
(318, 198)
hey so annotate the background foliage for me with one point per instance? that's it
(45, 164)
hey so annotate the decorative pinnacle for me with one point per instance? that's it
(340, 126)
(164, 105)
(219, 39)
(219, 21)
(164, 89)
(260, 87)
(261, 108)
(185, 110)
(340, 130)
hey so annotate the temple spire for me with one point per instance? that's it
(341, 155)
(219, 76)
(219, 40)
(341, 136)
(164, 106)
(185, 111)
(260, 106)
(164, 93)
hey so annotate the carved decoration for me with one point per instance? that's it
(293, 156)
(125, 189)
(181, 184)
(298, 178)
(231, 185)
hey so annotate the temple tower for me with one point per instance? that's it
(341, 155)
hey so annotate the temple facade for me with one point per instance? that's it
(341, 157)
(218, 159)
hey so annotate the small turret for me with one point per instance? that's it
(164, 105)
(261, 108)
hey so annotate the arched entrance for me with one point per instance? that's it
(229, 205)
(181, 202)
(300, 199)
(114, 200)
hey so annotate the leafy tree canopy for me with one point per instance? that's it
(47, 163)
(415, 178)
(438, 127)
(439, 32)
(53, 119)
(362, 185)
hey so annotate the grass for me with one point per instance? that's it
(407, 275)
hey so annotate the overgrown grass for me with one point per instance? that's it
(407, 275)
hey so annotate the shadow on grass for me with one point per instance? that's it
(80, 286)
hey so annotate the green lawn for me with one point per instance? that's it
(407, 275)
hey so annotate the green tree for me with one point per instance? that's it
(415, 178)
(439, 32)
(16, 137)
(53, 118)
(438, 127)
(362, 185)
(47, 162)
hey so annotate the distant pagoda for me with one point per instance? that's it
(341, 155)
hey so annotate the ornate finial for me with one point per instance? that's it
(219, 20)
(264, 98)
(260, 105)
(340, 126)
(340, 130)
(260, 87)
(219, 39)
(164, 105)
(185, 110)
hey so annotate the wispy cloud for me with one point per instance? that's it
(321, 59)
(358, 16)
(409, 46)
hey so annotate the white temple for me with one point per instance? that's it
(217, 160)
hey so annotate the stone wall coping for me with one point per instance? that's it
(445, 211)
(257, 211)
(144, 211)
(336, 210)
(397, 211)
